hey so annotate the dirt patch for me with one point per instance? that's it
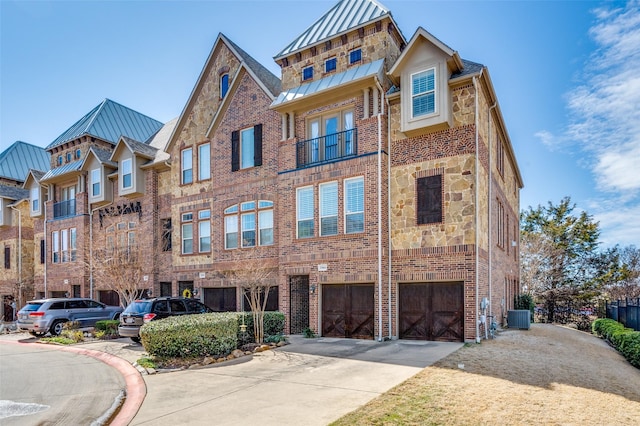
(546, 375)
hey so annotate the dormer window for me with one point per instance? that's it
(127, 174)
(78, 154)
(355, 56)
(96, 183)
(224, 85)
(59, 160)
(330, 65)
(35, 200)
(423, 93)
(68, 157)
(307, 74)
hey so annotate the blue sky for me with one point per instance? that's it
(566, 76)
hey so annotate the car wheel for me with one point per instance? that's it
(56, 327)
(136, 339)
(36, 334)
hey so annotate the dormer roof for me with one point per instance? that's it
(345, 16)
(137, 148)
(108, 121)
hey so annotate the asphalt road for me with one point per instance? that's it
(40, 384)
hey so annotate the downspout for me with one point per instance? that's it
(476, 219)
(379, 225)
(19, 256)
(490, 211)
(389, 208)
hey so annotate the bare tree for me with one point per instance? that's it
(120, 269)
(255, 277)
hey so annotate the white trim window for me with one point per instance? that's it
(73, 244)
(247, 148)
(96, 183)
(265, 227)
(187, 233)
(255, 219)
(186, 165)
(204, 161)
(55, 247)
(127, 173)
(304, 212)
(231, 232)
(248, 222)
(204, 231)
(64, 239)
(354, 205)
(423, 93)
(328, 208)
(35, 199)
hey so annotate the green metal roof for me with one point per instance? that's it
(341, 18)
(16, 160)
(108, 121)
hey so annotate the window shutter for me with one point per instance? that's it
(257, 145)
(7, 257)
(235, 151)
(429, 199)
(42, 251)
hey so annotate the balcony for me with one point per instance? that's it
(327, 148)
(64, 209)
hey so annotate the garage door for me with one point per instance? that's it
(431, 311)
(347, 311)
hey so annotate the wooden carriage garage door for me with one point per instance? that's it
(431, 311)
(347, 311)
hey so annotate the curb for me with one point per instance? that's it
(135, 387)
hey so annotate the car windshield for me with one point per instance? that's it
(31, 307)
(138, 307)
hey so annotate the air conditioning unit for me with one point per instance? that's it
(520, 318)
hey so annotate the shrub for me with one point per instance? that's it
(273, 326)
(625, 340)
(214, 334)
(108, 326)
(524, 302)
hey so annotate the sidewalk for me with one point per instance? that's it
(309, 381)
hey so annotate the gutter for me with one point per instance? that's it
(490, 211)
(379, 225)
(476, 219)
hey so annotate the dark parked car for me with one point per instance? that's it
(49, 315)
(142, 311)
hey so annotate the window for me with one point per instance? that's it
(231, 232)
(261, 210)
(187, 166)
(68, 157)
(355, 56)
(246, 148)
(224, 85)
(78, 154)
(423, 93)
(328, 208)
(307, 73)
(166, 234)
(330, 65)
(304, 211)
(204, 231)
(354, 205)
(429, 195)
(35, 199)
(73, 244)
(500, 228)
(265, 223)
(500, 157)
(55, 243)
(204, 161)
(127, 172)
(331, 136)
(7, 257)
(96, 183)
(64, 235)
(59, 160)
(187, 234)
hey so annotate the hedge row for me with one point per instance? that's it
(215, 334)
(625, 340)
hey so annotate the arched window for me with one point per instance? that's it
(255, 220)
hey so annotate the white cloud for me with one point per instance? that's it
(605, 109)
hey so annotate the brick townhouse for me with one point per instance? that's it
(374, 177)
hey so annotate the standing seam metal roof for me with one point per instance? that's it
(16, 160)
(344, 16)
(109, 121)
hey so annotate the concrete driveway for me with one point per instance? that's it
(310, 381)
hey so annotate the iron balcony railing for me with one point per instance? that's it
(64, 209)
(327, 148)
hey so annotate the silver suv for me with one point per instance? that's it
(49, 315)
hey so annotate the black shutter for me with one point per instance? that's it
(257, 145)
(429, 199)
(42, 256)
(235, 151)
(7, 257)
